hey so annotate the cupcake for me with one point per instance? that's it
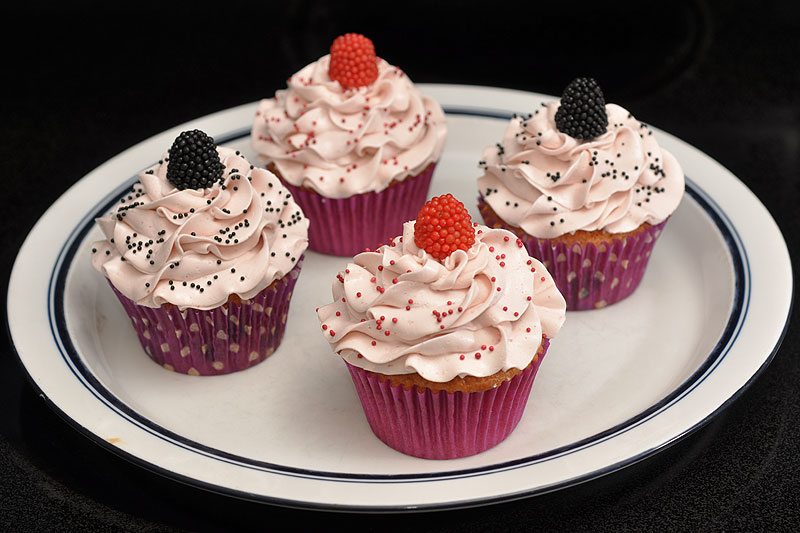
(203, 254)
(443, 331)
(588, 190)
(355, 142)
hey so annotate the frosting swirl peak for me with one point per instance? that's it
(197, 247)
(398, 310)
(342, 142)
(549, 184)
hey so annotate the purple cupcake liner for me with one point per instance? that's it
(226, 339)
(442, 425)
(346, 226)
(590, 276)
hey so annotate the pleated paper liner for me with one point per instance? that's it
(443, 425)
(229, 338)
(589, 275)
(346, 226)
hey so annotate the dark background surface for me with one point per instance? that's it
(84, 87)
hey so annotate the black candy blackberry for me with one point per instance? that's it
(582, 113)
(194, 162)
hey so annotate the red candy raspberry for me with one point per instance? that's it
(443, 226)
(353, 61)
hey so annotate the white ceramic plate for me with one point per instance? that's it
(617, 385)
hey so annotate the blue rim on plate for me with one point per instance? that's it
(58, 328)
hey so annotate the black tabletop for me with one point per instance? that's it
(722, 76)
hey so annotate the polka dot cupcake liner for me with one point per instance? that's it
(590, 276)
(346, 226)
(229, 338)
(442, 425)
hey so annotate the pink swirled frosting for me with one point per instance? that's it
(195, 248)
(398, 310)
(342, 142)
(549, 183)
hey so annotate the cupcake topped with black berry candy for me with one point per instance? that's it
(577, 178)
(198, 251)
(355, 141)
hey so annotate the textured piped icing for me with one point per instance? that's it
(398, 310)
(549, 184)
(342, 142)
(195, 248)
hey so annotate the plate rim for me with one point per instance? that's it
(306, 504)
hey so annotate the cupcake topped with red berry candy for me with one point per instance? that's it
(449, 307)
(351, 133)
